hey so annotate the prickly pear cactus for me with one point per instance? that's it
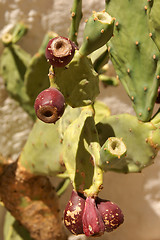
(81, 153)
(76, 15)
(78, 81)
(134, 54)
(154, 21)
(141, 141)
(13, 64)
(85, 140)
(35, 78)
(39, 157)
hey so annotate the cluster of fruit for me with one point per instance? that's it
(50, 103)
(91, 216)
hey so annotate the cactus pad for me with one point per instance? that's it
(76, 15)
(154, 21)
(36, 76)
(134, 54)
(81, 153)
(13, 64)
(78, 81)
(42, 152)
(142, 147)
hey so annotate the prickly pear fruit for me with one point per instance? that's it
(93, 224)
(73, 213)
(49, 105)
(111, 214)
(112, 153)
(60, 51)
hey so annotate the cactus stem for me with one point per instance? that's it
(51, 76)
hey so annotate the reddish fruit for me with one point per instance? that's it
(60, 51)
(73, 213)
(93, 224)
(111, 214)
(49, 105)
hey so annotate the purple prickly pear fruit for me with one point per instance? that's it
(93, 224)
(73, 213)
(111, 214)
(158, 95)
(60, 51)
(49, 105)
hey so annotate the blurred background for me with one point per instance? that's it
(138, 195)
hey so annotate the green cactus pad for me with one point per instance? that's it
(99, 58)
(154, 21)
(42, 152)
(112, 154)
(13, 64)
(76, 14)
(13, 230)
(108, 80)
(101, 111)
(70, 114)
(97, 32)
(81, 154)
(142, 145)
(36, 76)
(78, 81)
(134, 54)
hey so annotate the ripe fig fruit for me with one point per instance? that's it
(93, 224)
(60, 51)
(111, 214)
(49, 105)
(73, 213)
